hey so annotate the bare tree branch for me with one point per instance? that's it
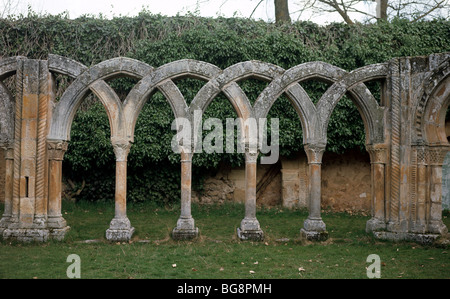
(428, 12)
(257, 5)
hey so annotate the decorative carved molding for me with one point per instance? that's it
(56, 150)
(436, 154)
(121, 149)
(315, 153)
(378, 153)
(431, 155)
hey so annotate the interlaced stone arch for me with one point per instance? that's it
(431, 104)
(383, 125)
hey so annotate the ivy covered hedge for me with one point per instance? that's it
(157, 40)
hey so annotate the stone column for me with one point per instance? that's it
(314, 228)
(436, 156)
(378, 162)
(120, 228)
(9, 176)
(250, 228)
(420, 219)
(185, 228)
(55, 222)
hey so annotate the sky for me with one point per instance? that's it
(206, 8)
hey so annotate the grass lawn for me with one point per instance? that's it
(218, 253)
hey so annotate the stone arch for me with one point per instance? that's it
(89, 80)
(8, 67)
(227, 82)
(288, 83)
(6, 116)
(431, 108)
(161, 78)
(353, 82)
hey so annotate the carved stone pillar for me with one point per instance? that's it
(185, 228)
(120, 228)
(436, 156)
(9, 177)
(378, 161)
(419, 222)
(314, 228)
(250, 228)
(55, 222)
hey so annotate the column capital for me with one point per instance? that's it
(56, 149)
(315, 152)
(9, 150)
(121, 148)
(186, 155)
(436, 154)
(431, 154)
(251, 157)
(378, 153)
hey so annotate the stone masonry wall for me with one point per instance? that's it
(345, 184)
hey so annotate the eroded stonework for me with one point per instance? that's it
(405, 137)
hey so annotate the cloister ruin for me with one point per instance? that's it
(405, 137)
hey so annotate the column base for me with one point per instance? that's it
(314, 230)
(425, 239)
(120, 230)
(375, 224)
(185, 229)
(4, 223)
(26, 235)
(56, 222)
(250, 230)
(437, 227)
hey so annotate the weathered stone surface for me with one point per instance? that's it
(120, 230)
(185, 229)
(405, 136)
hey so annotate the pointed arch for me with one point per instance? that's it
(432, 105)
(353, 83)
(288, 83)
(65, 109)
(161, 78)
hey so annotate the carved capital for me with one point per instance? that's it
(436, 154)
(251, 157)
(186, 156)
(315, 153)
(378, 153)
(9, 150)
(56, 150)
(431, 155)
(121, 149)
